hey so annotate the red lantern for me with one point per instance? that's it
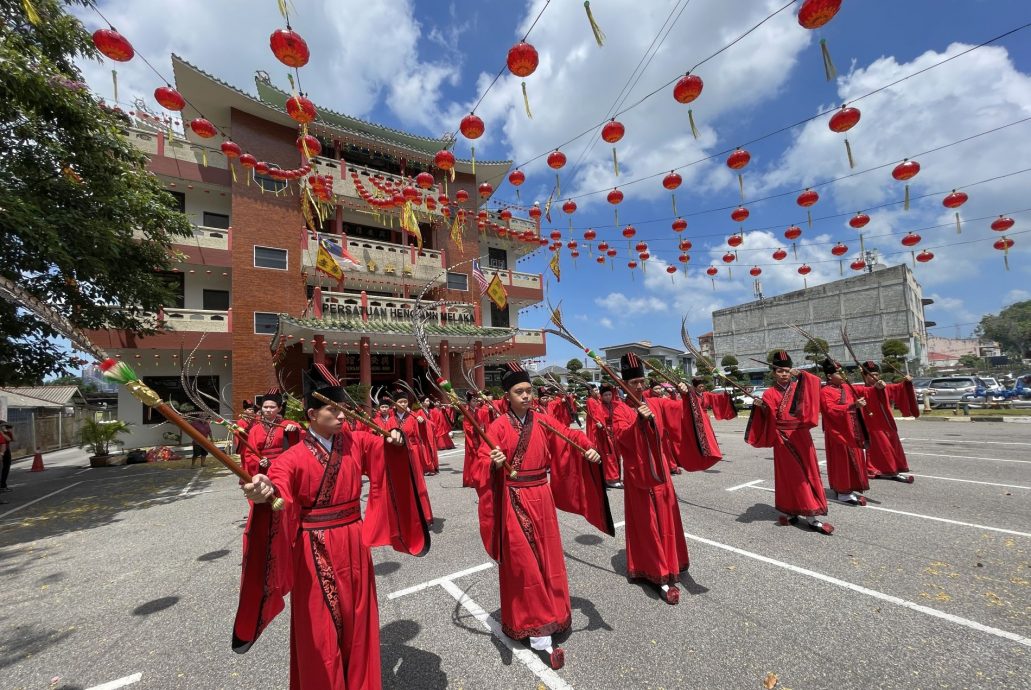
(924, 256)
(310, 143)
(1002, 224)
(779, 255)
(729, 257)
(516, 178)
(859, 220)
(485, 190)
(203, 128)
(688, 88)
(842, 121)
(793, 233)
(641, 247)
(574, 254)
(542, 241)
(1003, 244)
(631, 265)
(644, 256)
(261, 168)
(735, 240)
(679, 225)
(600, 259)
(910, 239)
(603, 246)
(684, 258)
(230, 149)
(247, 160)
(571, 244)
(739, 214)
(289, 48)
(522, 59)
(613, 131)
(804, 270)
(505, 215)
(445, 160)
(424, 180)
(712, 271)
(169, 99)
(614, 197)
(462, 196)
(755, 271)
(555, 235)
(839, 249)
(471, 126)
(301, 109)
(556, 159)
(806, 200)
(629, 231)
(906, 170)
(857, 265)
(589, 235)
(113, 44)
(410, 193)
(738, 159)
(684, 245)
(955, 200)
(671, 269)
(672, 181)
(815, 13)
(569, 207)
(611, 253)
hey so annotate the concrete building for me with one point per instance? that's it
(887, 303)
(248, 295)
(945, 352)
(671, 357)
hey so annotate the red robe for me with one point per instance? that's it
(325, 564)
(519, 525)
(412, 441)
(472, 443)
(721, 404)
(441, 429)
(690, 441)
(885, 456)
(655, 546)
(561, 407)
(428, 436)
(601, 437)
(270, 440)
(844, 440)
(783, 423)
(241, 435)
(409, 424)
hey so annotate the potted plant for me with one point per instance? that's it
(98, 437)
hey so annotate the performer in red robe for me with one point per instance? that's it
(325, 565)
(655, 546)
(599, 431)
(886, 458)
(845, 437)
(270, 434)
(518, 519)
(721, 404)
(412, 425)
(441, 427)
(387, 417)
(781, 420)
(472, 441)
(248, 412)
(562, 406)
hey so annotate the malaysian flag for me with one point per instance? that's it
(481, 280)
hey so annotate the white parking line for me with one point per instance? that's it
(968, 457)
(546, 675)
(745, 485)
(120, 683)
(1019, 639)
(976, 443)
(928, 517)
(433, 583)
(971, 481)
(189, 485)
(37, 500)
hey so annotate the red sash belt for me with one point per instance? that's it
(529, 478)
(331, 516)
(791, 425)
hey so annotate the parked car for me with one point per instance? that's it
(949, 391)
(748, 400)
(919, 386)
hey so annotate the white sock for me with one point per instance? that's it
(541, 643)
(813, 520)
(846, 497)
(855, 496)
(665, 588)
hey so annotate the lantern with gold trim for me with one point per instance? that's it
(841, 122)
(1003, 244)
(812, 15)
(612, 133)
(903, 172)
(687, 89)
(522, 61)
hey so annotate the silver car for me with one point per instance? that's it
(949, 391)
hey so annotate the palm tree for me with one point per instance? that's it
(99, 436)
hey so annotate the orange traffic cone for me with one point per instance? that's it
(37, 462)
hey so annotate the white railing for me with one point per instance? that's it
(343, 183)
(515, 278)
(386, 260)
(349, 305)
(196, 320)
(178, 148)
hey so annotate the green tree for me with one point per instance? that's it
(894, 353)
(574, 365)
(1011, 328)
(84, 225)
(815, 350)
(970, 361)
(729, 362)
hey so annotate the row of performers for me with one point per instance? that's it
(529, 465)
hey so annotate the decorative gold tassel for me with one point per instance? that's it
(959, 230)
(472, 157)
(841, 268)
(741, 185)
(615, 161)
(282, 9)
(114, 80)
(805, 282)
(30, 12)
(526, 102)
(690, 118)
(204, 156)
(615, 212)
(794, 250)
(848, 150)
(232, 171)
(452, 177)
(828, 65)
(558, 186)
(675, 214)
(250, 174)
(599, 36)
(905, 203)
(809, 216)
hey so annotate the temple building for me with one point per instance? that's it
(251, 307)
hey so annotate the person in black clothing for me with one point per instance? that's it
(6, 437)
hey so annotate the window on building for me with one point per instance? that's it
(498, 317)
(497, 258)
(176, 282)
(216, 220)
(216, 300)
(458, 281)
(170, 389)
(270, 257)
(180, 201)
(265, 323)
(268, 184)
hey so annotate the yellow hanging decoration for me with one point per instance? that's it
(456, 231)
(828, 65)
(959, 229)
(526, 102)
(690, 118)
(675, 214)
(282, 9)
(204, 156)
(30, 12)
(114, 81)
(599, 35)
(232, 171)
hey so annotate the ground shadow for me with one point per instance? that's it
(438, 525)
(155, 605)
(23, 641)
(760, 512)
(386, 568)
(588, 609)
(619, 566)
(690, 585)
(588, 539)
(213, 555)
(51, 579)
(704, 507)
(406, 666)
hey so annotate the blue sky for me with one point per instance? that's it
(438, 58)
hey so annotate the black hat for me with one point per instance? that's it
(870, 367)
(319, 380)
(780, 359)
(469, 396)
(697, 381)
(248, 405)
(652, 383)
(606, 388)
(545, 390)
(514, 376)
(631, 367)
(274, 395)
(830, 366)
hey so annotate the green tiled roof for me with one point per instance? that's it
(385, 326)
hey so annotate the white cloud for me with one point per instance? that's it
(1017, 295)
(606, 322)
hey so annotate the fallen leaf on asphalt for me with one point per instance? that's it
(770, 681)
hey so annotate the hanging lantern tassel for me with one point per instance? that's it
(913, 255)
(730, 274)
(526, 102)
(558, 187)
(841, 268)
(959, 229)
(675, 214)
(794, 250)
(805, 282)
(599, 35)
(114, 82)
(204, 156)
(615, 162)
(690, 118)
(232, 171)
(30, 12)
(615, 212)
(828, 65)
(905, 202)
(472, 158)
(809, 216)
(848, 151)
(282, 9)
(1006, 254)
(713, 284)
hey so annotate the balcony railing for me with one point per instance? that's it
(196, 320)
(385, 261)
(151, 143)
(350, 305)
(204, 237)
(527, 336)
(530, 281)
(343, 182)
